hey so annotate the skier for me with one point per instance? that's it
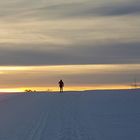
(61, 85)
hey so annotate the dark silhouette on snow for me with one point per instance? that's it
(61, 85)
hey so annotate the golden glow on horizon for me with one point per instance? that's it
(44, 78)
(10, 90)
(54, 89)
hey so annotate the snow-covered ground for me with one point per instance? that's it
(89, 115)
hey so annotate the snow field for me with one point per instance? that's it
(89, 115)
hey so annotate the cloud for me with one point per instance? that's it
(46, 10)
(126, 9)
(90, 75)
(73, 37)
(104, 54)
(90, 9)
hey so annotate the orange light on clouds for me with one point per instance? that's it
(76, 77)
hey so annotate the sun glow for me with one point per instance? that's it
(56, 89)
(76, 77)
(10, 90)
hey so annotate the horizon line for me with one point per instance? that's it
(67, 89)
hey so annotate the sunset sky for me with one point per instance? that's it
(90, 44)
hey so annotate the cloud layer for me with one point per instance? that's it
(104, 54)
(58, 32)
(93, 76)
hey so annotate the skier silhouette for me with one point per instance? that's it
(61, 85)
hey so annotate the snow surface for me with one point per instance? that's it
(89, 115)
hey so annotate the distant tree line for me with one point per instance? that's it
(29, 90)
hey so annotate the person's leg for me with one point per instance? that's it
(60, 89)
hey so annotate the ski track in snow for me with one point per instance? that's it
(36, 131)
(89, 115)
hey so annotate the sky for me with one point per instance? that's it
(90, 44)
